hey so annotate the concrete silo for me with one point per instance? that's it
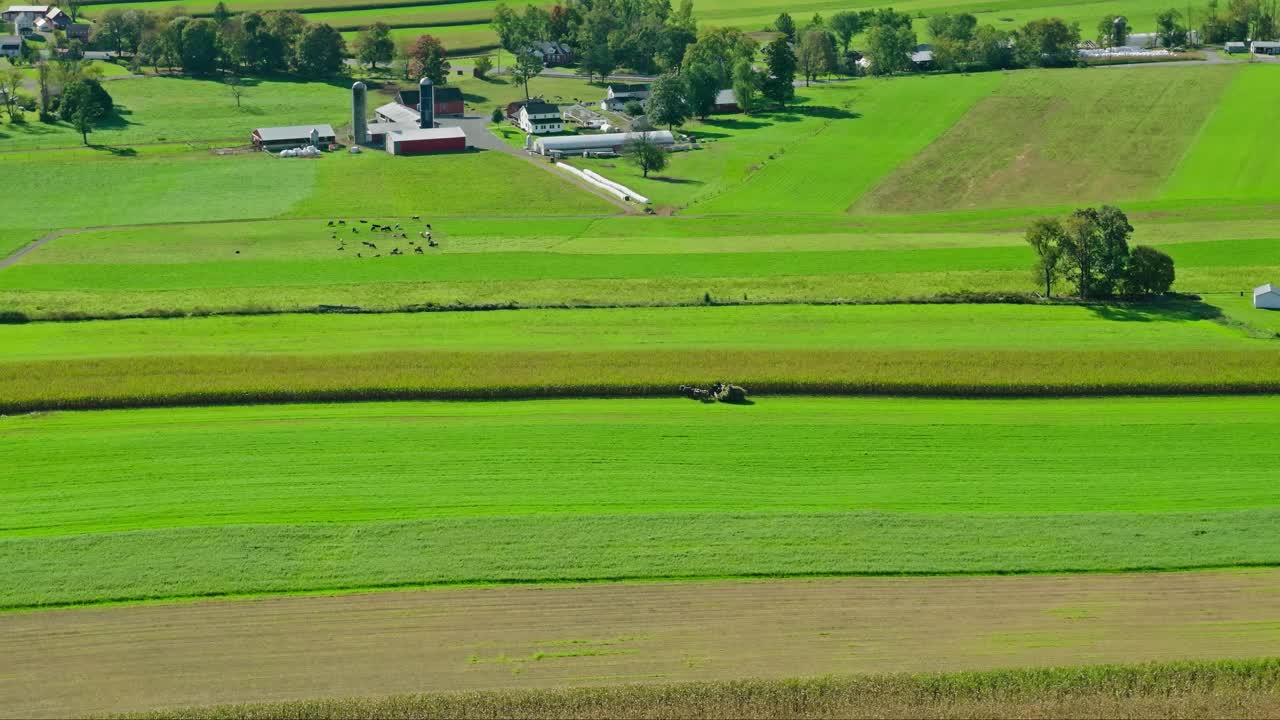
(359, 116)
(426, 104)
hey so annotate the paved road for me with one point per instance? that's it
(477, 129)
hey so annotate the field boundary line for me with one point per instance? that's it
(337, 591)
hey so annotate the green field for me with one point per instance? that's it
(402, 494)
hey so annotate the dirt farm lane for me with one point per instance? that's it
(117, 659)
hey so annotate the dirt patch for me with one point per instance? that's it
(76, 662)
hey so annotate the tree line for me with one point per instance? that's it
(1089, 249)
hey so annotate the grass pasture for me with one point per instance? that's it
(1074, 143)
(426, 493)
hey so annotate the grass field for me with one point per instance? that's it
(785, 487)
(1086, 148)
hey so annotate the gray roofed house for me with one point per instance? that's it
(1266, 297)
(1236, 47)
(726, 101)
(10, 45)
(1264, 47)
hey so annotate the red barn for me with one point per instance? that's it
(425, 141)
(449, 101)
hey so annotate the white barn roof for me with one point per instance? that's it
(726, 97)
(397, 113)
(1265, 289)
(293, 132)
(572, 143)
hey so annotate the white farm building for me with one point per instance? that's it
(609, 142)
(1266, 297)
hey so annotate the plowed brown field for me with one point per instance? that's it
(118, 659)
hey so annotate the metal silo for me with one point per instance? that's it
(359, 118)
(426, 104)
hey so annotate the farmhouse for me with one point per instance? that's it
(78, 31)
(274, 139)
(424, 141)
(538, 118)
(1264, 47)
(1236, 48)
(55, 19)
(617, 96)
(24, 17)
(609, 142)
(923, 56)
(1266, 297)
(10, 45)
(726, 102)
(550, 53)
(448, 100)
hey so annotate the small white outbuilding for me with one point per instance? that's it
(1266, 297)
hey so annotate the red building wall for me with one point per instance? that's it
(450, 108)
(422, 147)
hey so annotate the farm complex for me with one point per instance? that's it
(616, 359)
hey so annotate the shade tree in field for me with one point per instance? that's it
(1150, 272)
(84, 103)
(527, 66)
(645, 154)
(426, 57)
(780, 65)
(845, 24)
(1090, 248)
(374, 45)
(889, 49)
(1048, 238)
(816, 54)
(199, 47)
(1050, 42)
(668, 100)
(483, 66)
(11, 82)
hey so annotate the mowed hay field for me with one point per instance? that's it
(406, 494)
(528, 651)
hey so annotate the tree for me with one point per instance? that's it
(1047, 237)
(889, 49)
(668, 103)
(1097, 250)
(84, 103)
(321, 51)
(633, 108)
(645, 154)
(746, 84)
(11, 81)
(598, 56)
(506, 25)
(220, 13)
(427, 58)
(27, 53)
(1113, 31)
(120, 30)
(781, 72)
(953, 26)
(374, 45)
(846, 24)
(679, 32)
(497, 115)
(785, 25)
(991, 48)
(816, 54)
(527, 66)
(235, 87)
(199, 47)
(1170, 30)
(1150, 272)
(484, 65)
(44, 83)
(701, 89)
(721, 49)
(1047, 43)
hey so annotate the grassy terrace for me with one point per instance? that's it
(396, 494)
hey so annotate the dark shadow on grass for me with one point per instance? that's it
(1173, 309)
(114, 150)
(734, 124)
(675, 181)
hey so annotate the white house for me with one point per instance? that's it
(1266, 297)
(539, 118)
(617, 96)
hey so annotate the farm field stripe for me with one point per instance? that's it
(93, 661)
(105, 383)
(1185, 689)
